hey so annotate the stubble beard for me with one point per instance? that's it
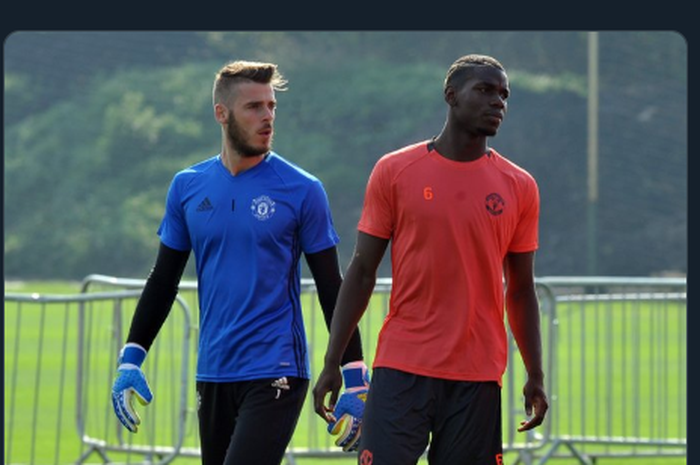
(238, 140)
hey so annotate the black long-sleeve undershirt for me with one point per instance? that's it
(158, 295)
(326, 273)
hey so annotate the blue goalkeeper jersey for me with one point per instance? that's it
(247, 233)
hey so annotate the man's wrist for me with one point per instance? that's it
(332, 361)
(132, 354)
(356, 364)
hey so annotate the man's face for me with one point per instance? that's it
(250, 119)
(480, 104)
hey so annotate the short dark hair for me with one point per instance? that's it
(241, 70)
(461, 69)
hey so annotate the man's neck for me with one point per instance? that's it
(236, 163)
(460, 147)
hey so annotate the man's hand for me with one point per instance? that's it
(535, 402)
(130, 382)
(329, 381)
(346, 417)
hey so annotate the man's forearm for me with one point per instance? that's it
(326, 273)
(353, 299)
(524, 321)
(157, 297)
(353, 351)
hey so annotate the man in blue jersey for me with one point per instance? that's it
(248, 215)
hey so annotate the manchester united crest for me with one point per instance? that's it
(495, 204)
(262, 208)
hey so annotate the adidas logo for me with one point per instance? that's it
(205, 205)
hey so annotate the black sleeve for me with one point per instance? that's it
(158, 295)
(326, 273)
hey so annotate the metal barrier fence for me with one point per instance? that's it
(59, 352)
(619, 371)
(614, 349)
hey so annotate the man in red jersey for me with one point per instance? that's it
(460, 218)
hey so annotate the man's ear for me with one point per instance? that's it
(221, 113)
(450, 96)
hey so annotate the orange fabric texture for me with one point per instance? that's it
(450, 225)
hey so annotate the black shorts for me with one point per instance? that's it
(248, 422)
(406, 413)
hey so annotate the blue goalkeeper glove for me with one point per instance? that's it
(130, 383)
(347, 414)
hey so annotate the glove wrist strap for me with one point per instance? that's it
(132, 354)
(355, 374)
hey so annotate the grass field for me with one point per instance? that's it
(595, 351)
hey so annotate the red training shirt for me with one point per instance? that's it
(450, 225)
